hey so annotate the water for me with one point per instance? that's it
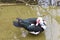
(24, 34)
(38, 13)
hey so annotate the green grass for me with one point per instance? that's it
(8, 14)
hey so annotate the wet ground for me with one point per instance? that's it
(53, 27)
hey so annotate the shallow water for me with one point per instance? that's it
(8, 15)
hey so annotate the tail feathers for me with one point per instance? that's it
(16, 24)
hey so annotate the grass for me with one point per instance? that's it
(8, 14)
